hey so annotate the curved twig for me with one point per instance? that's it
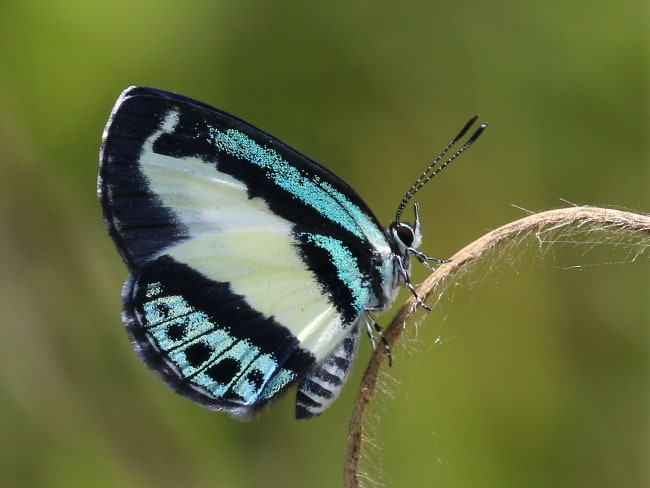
(533, 224)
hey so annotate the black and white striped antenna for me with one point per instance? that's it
(432, 170)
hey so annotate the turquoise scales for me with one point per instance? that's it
(251, 266)
(163, 312)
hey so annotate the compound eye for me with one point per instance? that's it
(405, 234)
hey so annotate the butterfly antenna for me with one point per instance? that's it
(432, 171)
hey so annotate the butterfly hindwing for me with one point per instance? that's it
(206, 341)
(250, 264)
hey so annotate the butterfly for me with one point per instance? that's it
(252, 267)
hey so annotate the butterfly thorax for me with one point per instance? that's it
(403, 239)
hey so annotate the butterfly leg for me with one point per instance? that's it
(409, 285)
(372, 323)
(427, 260)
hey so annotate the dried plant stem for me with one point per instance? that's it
(595, 217)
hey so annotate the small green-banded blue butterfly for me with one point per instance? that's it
(251, 267)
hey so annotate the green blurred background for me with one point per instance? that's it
(532, 372)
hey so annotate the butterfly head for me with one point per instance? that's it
(407, 236)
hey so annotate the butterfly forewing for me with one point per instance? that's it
(250, 264)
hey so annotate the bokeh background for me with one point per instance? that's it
(533, 371)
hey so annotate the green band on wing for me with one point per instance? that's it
(313, 192)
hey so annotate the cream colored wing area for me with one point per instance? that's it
(265, 268)
(204, 199)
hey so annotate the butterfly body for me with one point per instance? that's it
(251, 266)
